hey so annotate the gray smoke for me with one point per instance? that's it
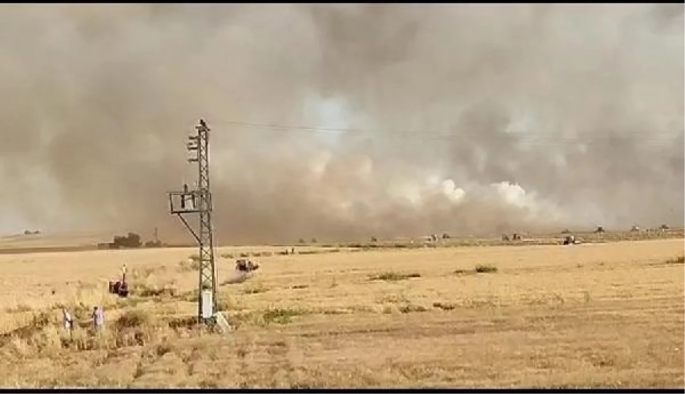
(461, 118)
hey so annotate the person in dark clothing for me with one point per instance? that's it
(183, 197)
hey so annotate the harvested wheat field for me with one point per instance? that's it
(591, 315)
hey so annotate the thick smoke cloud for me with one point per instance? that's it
(463, 118)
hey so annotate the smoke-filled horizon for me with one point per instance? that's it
(466, 119)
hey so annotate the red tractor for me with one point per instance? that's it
(244, 265)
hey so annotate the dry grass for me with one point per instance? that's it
(485, 269)
(592, 315)
(394, 276)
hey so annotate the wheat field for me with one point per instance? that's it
(591, 315)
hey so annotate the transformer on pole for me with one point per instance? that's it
(199, 201)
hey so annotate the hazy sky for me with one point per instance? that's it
(459, 118)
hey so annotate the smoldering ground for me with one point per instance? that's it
(459, 118)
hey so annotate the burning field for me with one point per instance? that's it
(457, 126)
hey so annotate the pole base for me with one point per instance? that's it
(221, 323)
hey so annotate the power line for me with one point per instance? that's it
(528, 137)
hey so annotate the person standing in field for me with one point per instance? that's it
(98, 318)
(68, 320)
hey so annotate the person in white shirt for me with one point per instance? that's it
(98, 317)
(68, 320)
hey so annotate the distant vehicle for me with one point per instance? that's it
(244, 265)
(571, 240)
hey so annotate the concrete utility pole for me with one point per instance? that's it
(199, 201)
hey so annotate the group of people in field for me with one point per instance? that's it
(97, 316)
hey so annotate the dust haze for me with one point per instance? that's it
(467, 119)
